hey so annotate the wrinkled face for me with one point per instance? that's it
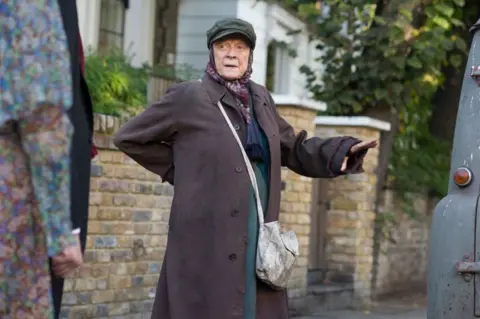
(231, 57)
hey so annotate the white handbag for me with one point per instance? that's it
(277, 252)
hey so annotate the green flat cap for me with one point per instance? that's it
(229, 26)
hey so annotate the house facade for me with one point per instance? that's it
(146, 30)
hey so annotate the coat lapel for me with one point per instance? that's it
(267, 124)
(260, 107)
(218, 92)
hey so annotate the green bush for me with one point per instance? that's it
(117, 88)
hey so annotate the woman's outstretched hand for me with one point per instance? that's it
(356, 149)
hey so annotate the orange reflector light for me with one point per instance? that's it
(462, 177)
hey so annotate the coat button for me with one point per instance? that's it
(238, 169)
(235, 213)
(232, 257)
(236, 127)
(245, 238)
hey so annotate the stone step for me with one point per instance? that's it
(323, 297)
(316, 276)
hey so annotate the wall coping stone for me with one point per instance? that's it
(358, 121)
(104, 128)
(289, 99)
(106, 124)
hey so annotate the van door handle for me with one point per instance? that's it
(468, 267)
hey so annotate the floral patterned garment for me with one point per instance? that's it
(35, 137)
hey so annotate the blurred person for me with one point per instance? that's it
(82, 149)
(35, 140)
(209, 270)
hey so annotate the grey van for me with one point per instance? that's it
(454, 250)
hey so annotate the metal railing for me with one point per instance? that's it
(162, 78)
(157, 86)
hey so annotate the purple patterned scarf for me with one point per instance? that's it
(239, 90)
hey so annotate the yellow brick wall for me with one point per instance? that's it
(402, 251)
(128, 225)
(296, 200)
(351, 217)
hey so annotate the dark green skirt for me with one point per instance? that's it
(250, 275)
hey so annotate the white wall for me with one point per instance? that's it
(255, 12)
(138, 32)
(282, 25)
(89, 21)
(195, 18)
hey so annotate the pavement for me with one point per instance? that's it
(344, 314)
(412, 308)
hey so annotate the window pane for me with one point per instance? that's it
(112, 20)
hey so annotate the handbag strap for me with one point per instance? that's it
(251, 173)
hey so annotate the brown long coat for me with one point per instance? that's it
(185, 139)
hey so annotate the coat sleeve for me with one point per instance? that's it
(148, 137)
(316, 157)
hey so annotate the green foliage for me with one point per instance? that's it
(419, 161)
(389, 58)
(117, 88)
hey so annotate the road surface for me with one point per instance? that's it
(401, 309)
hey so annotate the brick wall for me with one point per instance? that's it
(402, 250)
(349, 245)
(296, 200)
(129, 210)
(378, 261)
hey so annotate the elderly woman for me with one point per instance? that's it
(209, 266)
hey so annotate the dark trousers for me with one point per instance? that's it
(57, 291)
(80, 190)
(81, 116)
